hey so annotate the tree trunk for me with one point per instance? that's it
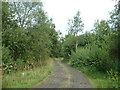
(76, 44)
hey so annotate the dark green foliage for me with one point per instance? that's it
(27, 45)
(85, 39)
(55, 46)
(15, 41)
(68, 46)
(6, 58)
(7, 22)
(91, 56)
(70, 41)
(115, 36)
(38, 43)
(101, 28)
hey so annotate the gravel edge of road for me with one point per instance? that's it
(80, 73)
(46, 77)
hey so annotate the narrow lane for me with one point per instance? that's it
(65, 76)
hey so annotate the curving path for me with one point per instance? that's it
(65, 76)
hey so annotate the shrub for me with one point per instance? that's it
(91, 56)
(6, 57)
(114, 77)
(16, 41)
(68, 46)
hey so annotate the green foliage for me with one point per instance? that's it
(94, 49)
(6, 58)
(101, 28)
(75, 24)
(115, 35)
(102, 80)
(39, 43)
(86, 39)
(68, 46)
(91, 56)
(113, 75)
(27, 44)
(115, 18)
(20, 79)
(55, 46)
(14, 39)
(35, 44)
(7, 22)
(25, 13)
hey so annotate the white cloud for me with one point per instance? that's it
(61, 10)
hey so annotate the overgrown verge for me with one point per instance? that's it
(93, 61)
(96, 53)
(96, 60)
(28, 78)
(111, 79)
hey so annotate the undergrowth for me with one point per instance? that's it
(28, 78)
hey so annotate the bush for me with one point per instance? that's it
(68, 46)
(114, 77)
(6, 57)
(91, 56)
(16, 41)
(8, 64)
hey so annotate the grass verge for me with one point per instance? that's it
(30, 78)
(101, 80)
(58, 58)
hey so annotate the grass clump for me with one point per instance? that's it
(28, 78)
(111, 79)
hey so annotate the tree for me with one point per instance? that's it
(33, 37)
(85, 39)
(75, 25)
(115, 17)
(25, 12)
(7, 17)
(68, 46)
(115, 35)
(16, 41)
(102, 27)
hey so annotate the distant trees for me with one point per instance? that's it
(93, 49)
(75, 25)
(68, 46)
(96, 50)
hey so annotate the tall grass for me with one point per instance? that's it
(29, 78)
(101, 80)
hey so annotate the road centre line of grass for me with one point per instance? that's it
(68, 75)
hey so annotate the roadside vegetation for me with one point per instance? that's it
(28, 78)
(30, 43)
(29, 39)
(95, 53)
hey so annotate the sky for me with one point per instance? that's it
(90, 10)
